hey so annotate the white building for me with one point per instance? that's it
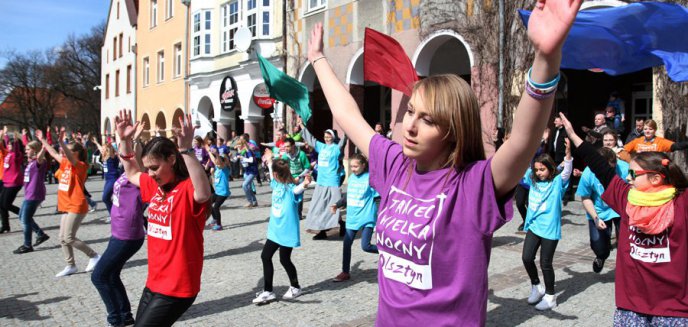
(118, 64)
(214, 56)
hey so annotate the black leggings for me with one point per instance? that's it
(218, 200)
(530, 247)
(521, 198)
(156, 309)
(285, 259)
(7, 196)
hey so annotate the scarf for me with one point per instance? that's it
(651, 211)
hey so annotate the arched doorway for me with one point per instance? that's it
(160, 124)
(145, 120)
(321, 120)
(374, 100)
(444, 52)
(205, 117)
(107, 128)
(178, 113)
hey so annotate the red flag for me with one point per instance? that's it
(386, 63)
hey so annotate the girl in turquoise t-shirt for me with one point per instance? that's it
(221, 175)
(543, 224)
(361, 211)
(283, 230)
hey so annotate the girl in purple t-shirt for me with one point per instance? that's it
(34, 194)
(441, 200)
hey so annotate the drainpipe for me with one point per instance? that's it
(186, 3)
(500, 104)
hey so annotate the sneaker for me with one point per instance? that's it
(342, 277)
(129, 321)
(548, 302)
(520, 229)
(536, 293)
(23, 249)
(217, 227)
(597, 265)
(92, 263)
(94, 207)
(320, 236)
(255, 204)
(264, 297)
(41, 239)
(248, 205)
(69, 270)
(292, 293)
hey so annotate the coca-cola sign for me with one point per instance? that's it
(228, 94)
(261, 96)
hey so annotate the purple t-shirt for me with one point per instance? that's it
(127, 210)
(34, 181)
(434, 233)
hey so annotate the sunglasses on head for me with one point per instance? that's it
(638, 173)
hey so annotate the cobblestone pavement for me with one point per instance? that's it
(232, 274)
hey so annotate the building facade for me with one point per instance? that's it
(162, 95)
(118, 63)
(222, 76)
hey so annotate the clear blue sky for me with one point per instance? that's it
(41, 24)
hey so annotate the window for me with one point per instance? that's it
(121, 37)
(316, 4)
(266, 23)
(117, 83)
(114, 48)
(250, 4)
(251, 23)
(161, 66)
(128, 79)
(129, 44)
(177, 60)
(169, 9)
(201, 32)
(117, 9)
(107, 86)
(266, 3)
(154, 13)
(146, 71)
(230, 24)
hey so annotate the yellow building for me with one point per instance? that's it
(161, 53)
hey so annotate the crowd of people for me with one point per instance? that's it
(437, 179)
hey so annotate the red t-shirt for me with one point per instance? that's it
(175, 238)
(651, 270)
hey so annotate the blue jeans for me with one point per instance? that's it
(601, 240)
(366, 235)
(28, 209)
(247, 186)
(106, 278)
(107, 193)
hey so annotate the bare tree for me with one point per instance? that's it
(76, 74)
(30, 96)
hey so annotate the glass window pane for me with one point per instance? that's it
(207, 20)
(207, 44)
(266, 23)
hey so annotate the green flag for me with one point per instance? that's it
(284, 88)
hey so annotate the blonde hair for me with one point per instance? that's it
(35, 146)
(108, 151)
(454, 107)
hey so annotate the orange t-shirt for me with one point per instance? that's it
(658, 144)
(3, 154)
(70, 192)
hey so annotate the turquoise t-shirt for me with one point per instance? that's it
(328, 164)
(283, 227)
(221, 178)
(544, 206)
(590, 187)
(361, 209)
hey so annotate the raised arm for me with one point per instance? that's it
(95, 141)
(344, 109)
(548, 27)
(199, 180)
(47, 147)
(342, 142)
(308, 137)
(67, 152)
(125, 131)
(598, 164)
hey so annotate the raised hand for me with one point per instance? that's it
(315, 42)
(139, 129)
(185, 133)
(549, 24)
(125, 129)
(39, 135)
(569, 130)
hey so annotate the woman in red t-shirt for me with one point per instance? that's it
(178, 193)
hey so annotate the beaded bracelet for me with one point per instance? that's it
(535, 94)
